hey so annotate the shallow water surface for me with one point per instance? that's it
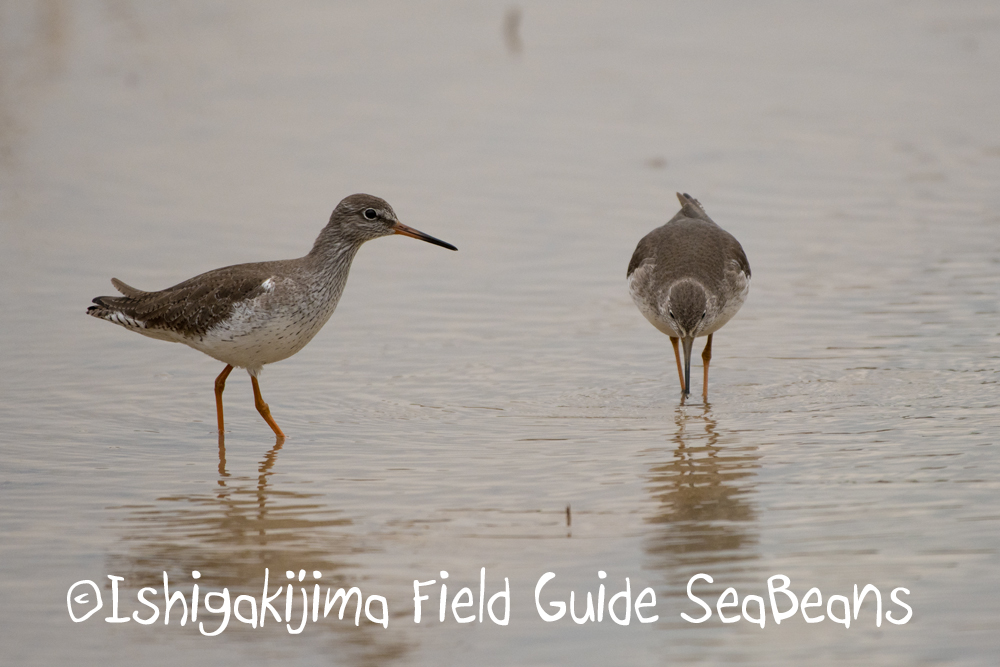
(507, 407)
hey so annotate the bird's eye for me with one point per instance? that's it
(671, 313)
(370, 213)
(704, 314)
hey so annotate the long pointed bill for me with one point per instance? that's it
(400, 228)
(687, 343)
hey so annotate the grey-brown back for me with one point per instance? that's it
(690, 245)
(194, 306)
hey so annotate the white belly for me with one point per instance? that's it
(264, 330)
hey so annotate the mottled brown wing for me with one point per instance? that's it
(660, 245)
(196, 305)
(736, 253)
(644, 250)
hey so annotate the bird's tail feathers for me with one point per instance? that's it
(107, 306)
(118, 309)
(127, 290)
(691, 206)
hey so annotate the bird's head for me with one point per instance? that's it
(688, 308)
(359, 218)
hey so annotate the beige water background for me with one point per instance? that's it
(457, 403)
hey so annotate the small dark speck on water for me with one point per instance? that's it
(512, 30)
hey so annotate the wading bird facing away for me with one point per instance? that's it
(688, 278)
(248, 315)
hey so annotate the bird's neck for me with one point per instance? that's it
(332, 256)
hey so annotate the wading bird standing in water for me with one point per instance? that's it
(688, 278)
(248, 315)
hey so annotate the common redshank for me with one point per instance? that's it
(688, 278)
(248, 315)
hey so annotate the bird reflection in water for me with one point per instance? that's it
(705, 509)
(263, 470)
(232, 533)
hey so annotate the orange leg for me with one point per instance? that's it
(262, 408)
(706, 356)
(677, 356)
(220, 385)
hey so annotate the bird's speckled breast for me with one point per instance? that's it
(647, 298)
(650, 297)
(272, 326)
